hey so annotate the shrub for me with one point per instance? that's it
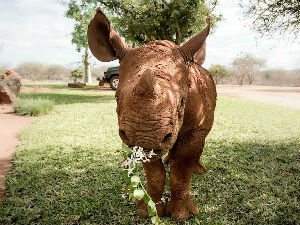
(56, 72)
(37, 71)
(32, 107)
(31, 70)
(218, 72)
(78, 73)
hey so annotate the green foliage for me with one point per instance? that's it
(136, 189)
(77, 74)
(32, 107)
(271, 17)
(145, 20)
(81, 11)
(138, 192)
(218, 72)
(73, 172)
(246, 67)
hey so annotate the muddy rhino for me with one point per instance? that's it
(165, 102)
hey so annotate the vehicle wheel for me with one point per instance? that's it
(113, 82)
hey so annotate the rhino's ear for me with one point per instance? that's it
(195, 47)
(105, 44)
(199, 57)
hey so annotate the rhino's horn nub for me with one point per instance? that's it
(146, 83)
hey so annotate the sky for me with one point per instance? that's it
(36, 30)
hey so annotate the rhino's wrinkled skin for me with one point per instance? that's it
(166, 102)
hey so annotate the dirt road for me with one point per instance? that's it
(10, 125)
(284, 96)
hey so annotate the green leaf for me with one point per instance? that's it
(138, 194)
(126, 149)
(146, 198)
(135, 179)
(131, 197)
(133, 186)
(151, 208)
(155, 220)
(151, 204)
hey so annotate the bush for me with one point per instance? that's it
(31, 70)
(78, 73)
(218, 72)
(38, 71)
(32, 107)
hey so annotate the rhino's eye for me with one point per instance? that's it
(181, 101)
(180, 105)
(116, 97)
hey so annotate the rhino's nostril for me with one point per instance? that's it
(167, 138)
(122, 134)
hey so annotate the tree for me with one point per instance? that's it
(38, 71)
(271, 17)
(56, 72)
(82, 11)
(218, 72)
(145, 20)
(31, 70)
(246, 66)
(77, 73)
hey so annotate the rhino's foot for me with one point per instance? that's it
(143, 212)
(181, 209)
(141, 209)
(199, 168)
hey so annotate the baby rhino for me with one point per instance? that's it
(165, 102)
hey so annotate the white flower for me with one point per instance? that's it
(136, 156)
(146, 160)
(130, 171)
(151, 153)
(126, 163)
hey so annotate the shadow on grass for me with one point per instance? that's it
(246, 183)
(71, 98)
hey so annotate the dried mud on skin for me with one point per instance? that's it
(165, 102)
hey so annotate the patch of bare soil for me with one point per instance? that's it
(284, 96)
(10, 125)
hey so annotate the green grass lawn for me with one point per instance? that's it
(62, 86)
(67, 170)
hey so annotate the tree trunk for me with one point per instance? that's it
(87, 67)
(178, 33)
(251, 77)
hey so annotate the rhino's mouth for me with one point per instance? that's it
(158, 153)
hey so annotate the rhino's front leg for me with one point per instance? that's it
(155, 176)
(181, 205)
(184, 161)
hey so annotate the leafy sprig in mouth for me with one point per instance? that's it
(136, 190)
